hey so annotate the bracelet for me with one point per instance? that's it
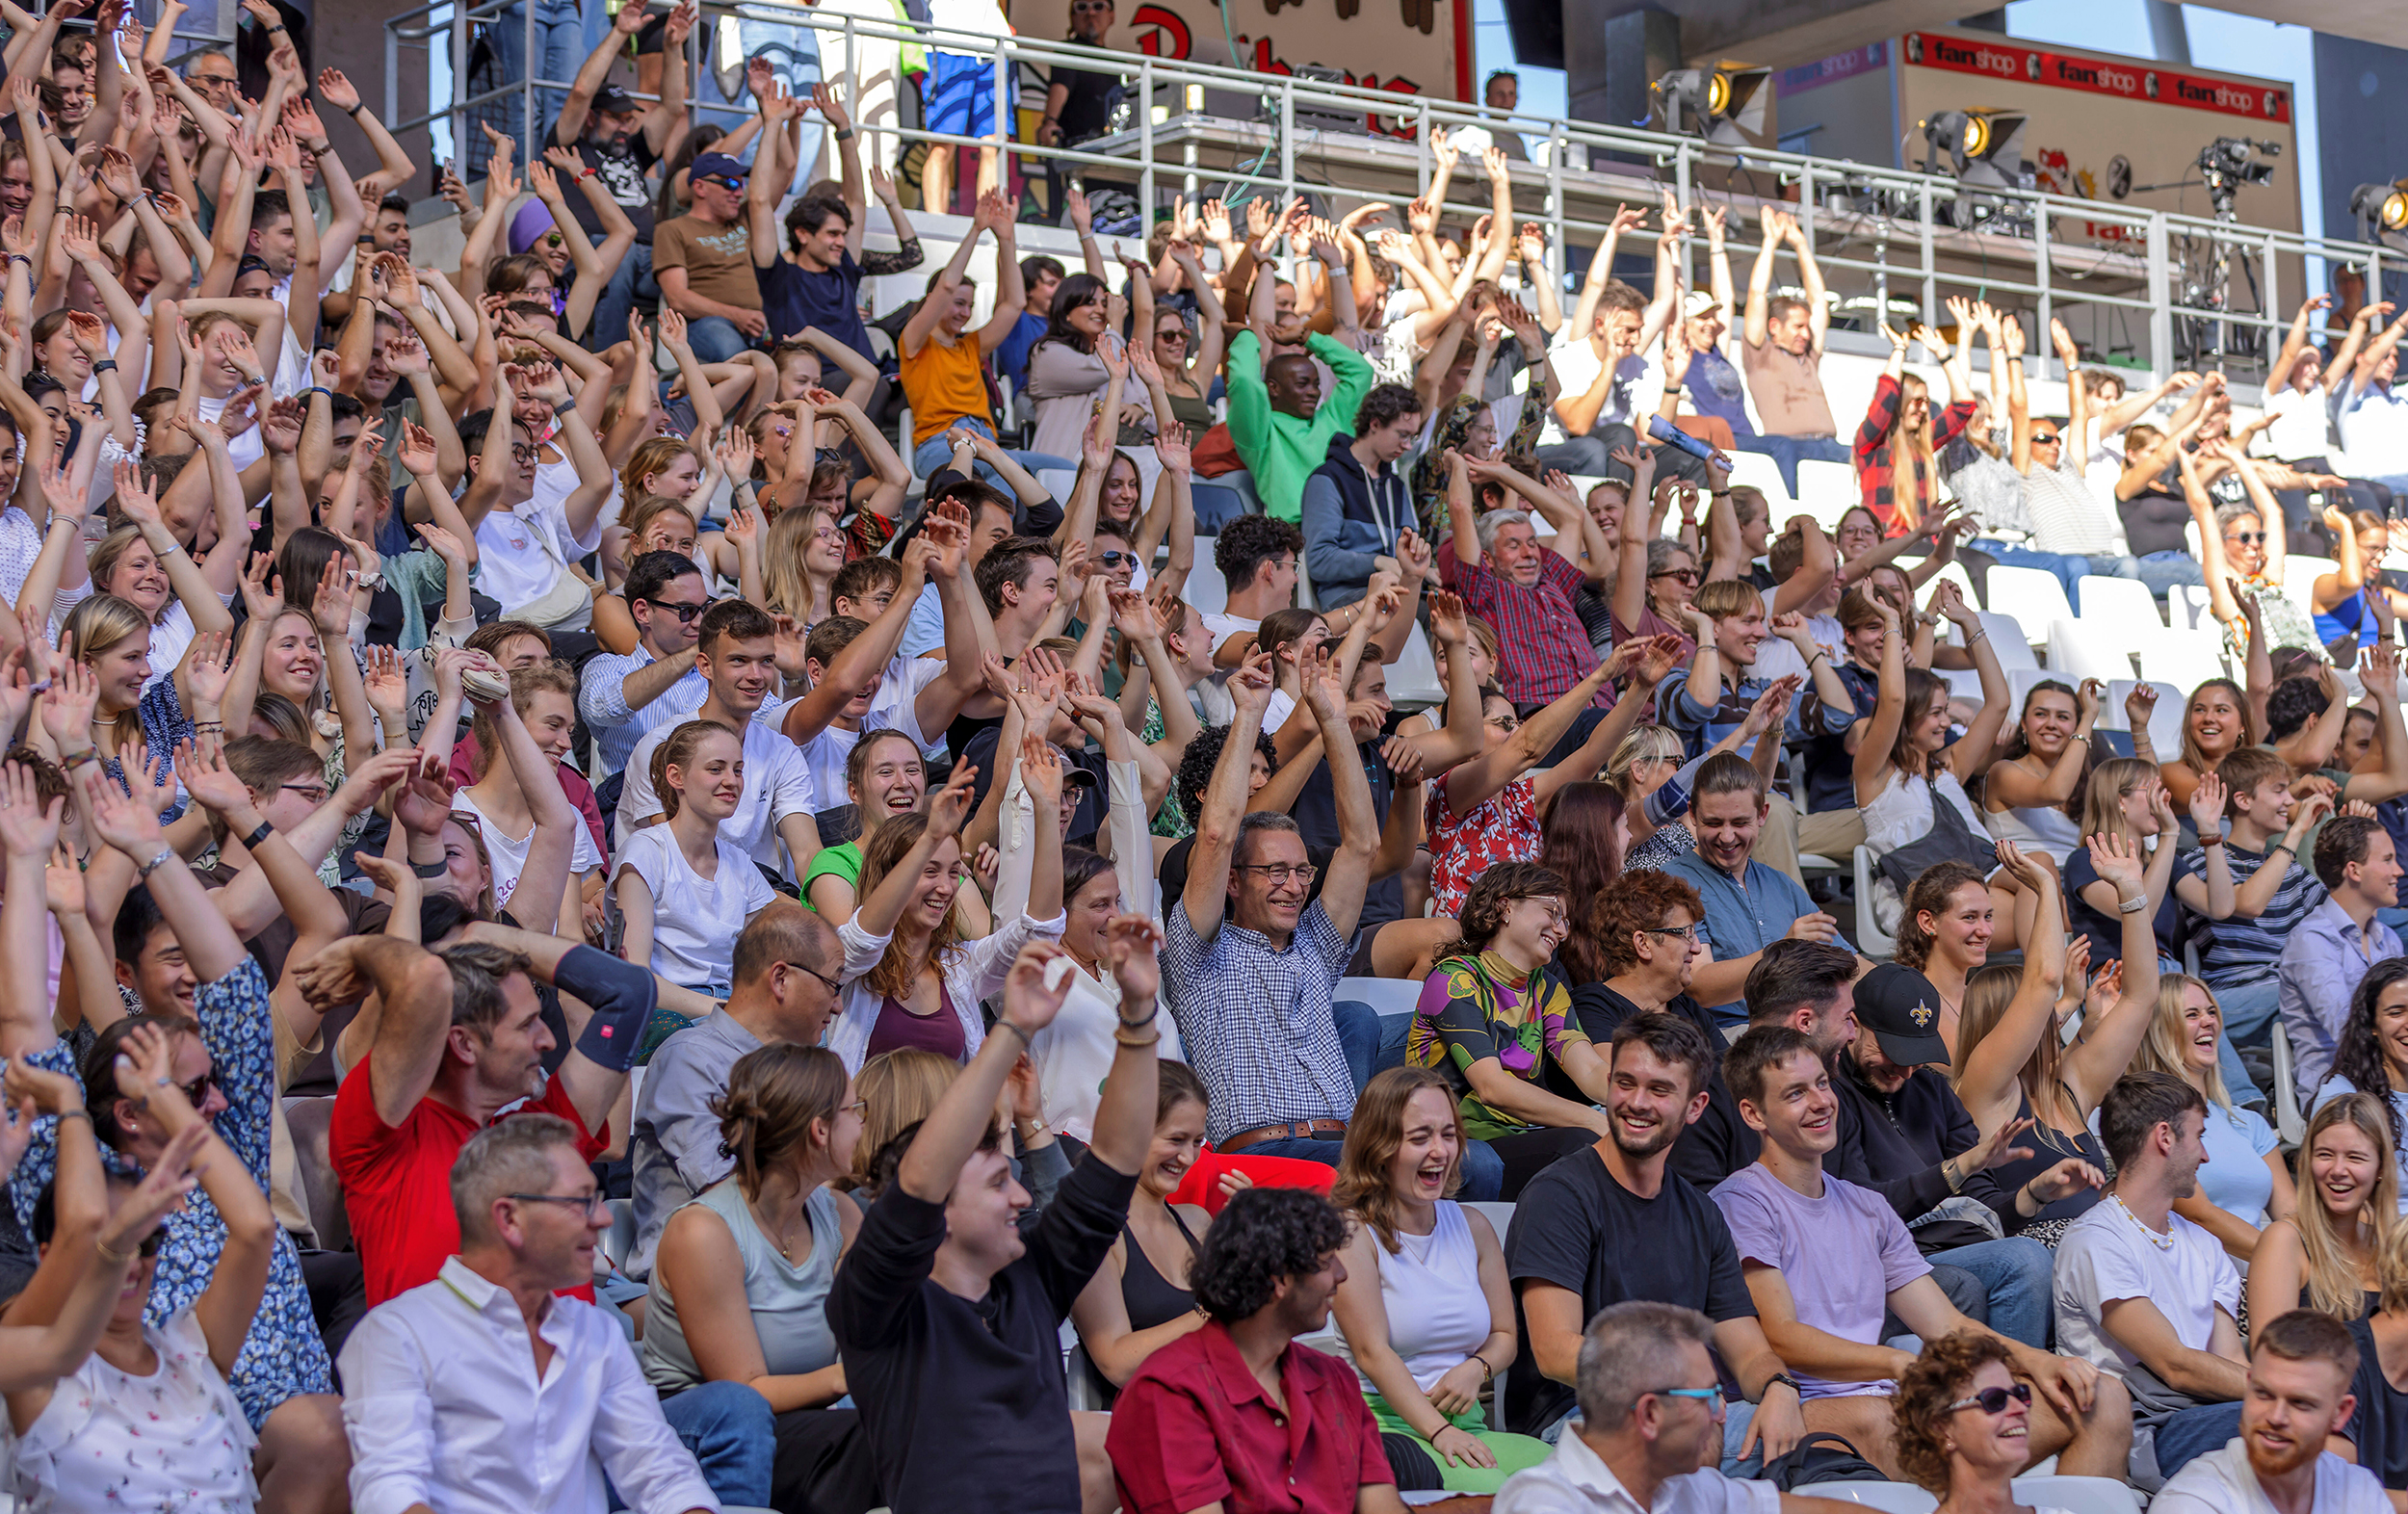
(844, 133)
(19, 257)
(430, 870)
(1025, 1042)
(113, 1258)
(107, 365)
(1786, 1381)
(276, 30)
(2204, 842)
(166, 853)
(589, 174)
(2282, 846)
(2132, 906)
(71, 764)
(352, 111)
(173, 547)
(1819, 652)
(318, 388)
(251, 842)
(2082, 737)
(79, 1112)
(1487, 1373)
(1122, 1038)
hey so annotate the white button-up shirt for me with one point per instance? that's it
(1574, 1482)
(444, 1408)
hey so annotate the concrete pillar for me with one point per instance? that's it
(2168, 36)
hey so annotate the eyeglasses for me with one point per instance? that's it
(1710, 1398)
(1278, 873)
(591, 1202)
(315, 793)
(1113, 560)
(685, 614)
(1687, 933)
(2247, 538)
(1686, 576)
(521, 452)
(198, 1088)
(1993, 1400)
(1504, 722)
(860, 1106)
(833, 986)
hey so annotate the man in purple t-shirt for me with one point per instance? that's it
(1824, 1259)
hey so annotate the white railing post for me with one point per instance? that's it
(1145, 149)
(2160, 300)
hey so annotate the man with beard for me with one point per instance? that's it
(1611, 1224)
(2145, 1294)
(2300, 1368)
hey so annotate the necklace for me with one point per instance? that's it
(775, 1237)
(2164, 1243)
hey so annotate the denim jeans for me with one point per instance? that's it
(933, 453)
(2248, 1021)
(2016, 1272)
(562, 44)
(1591, 457)
(1359, 1037)
(730, 1430)
(716, 339)
(2194, 1432)
(1324, 1152)
(1787, 452)
(631, 283)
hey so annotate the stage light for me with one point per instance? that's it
(1981, 147)
(2381, 206)
(1725, 104)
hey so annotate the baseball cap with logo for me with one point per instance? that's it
(612, 100)
(1697, 303)
(720, 166)
(1901, 1008)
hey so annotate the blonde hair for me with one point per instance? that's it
(1988, 993)
(896, 1090)
(2334, 1285)
(785, 577)
(1644, 743)
(2103, 800)
(99, 624)
(2161, 1049)
(101, 563)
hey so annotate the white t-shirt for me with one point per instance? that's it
(2375, 431)
(1223, 626)
(695, 920)
(2303, 423)
(508, 854)
(522, 553)
(244, 450)
(778, 783)
(2221, 1481)
(2108, 1256)
(1638, 384)
(891, 708)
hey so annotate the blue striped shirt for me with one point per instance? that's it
(2236, 951)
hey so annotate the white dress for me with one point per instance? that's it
(173, 1440)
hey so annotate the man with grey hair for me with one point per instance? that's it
(1649, 1446)
(1526, 589)
(523, 1400)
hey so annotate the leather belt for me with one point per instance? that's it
(1299, 1130)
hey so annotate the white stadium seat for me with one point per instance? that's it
(1413, 681)
(2184, 658)
(1206, 590)
(1870, 938)
(2086, 648)
(1757, 470)
(2074, 1495)
(2188, 607)
(1892, 1497)
(2166, 721)
(1825, 491)
(2118, 599)
(2031, 597)
(2007, 640)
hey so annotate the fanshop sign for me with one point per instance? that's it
(2094, 76)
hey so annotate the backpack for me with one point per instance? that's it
(1820, 1457)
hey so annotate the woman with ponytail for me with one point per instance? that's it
(735, 1333)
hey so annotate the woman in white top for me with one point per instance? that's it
(1963, 1424)
(2245, 1184)
(147, 1420)
(909, 977)
(2025, 791)
(532, 834)
(685, 894)
(1910, 780)
(1425, 1310)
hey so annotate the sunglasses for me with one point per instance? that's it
(2247, 538)
(1176, 335)
(1113, 560)
(1993, 1400)
(685, 614)
(1686, 576)
(722, 180)
(2046, 438)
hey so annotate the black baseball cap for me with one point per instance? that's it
(612, 100)
(1902, 1009)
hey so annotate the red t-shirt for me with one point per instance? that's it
(397, 1180)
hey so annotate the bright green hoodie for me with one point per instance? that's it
(1280, 451)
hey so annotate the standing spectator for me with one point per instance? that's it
(819, 288)
(1279, 419)
(1358, 508)
(2242, 954)
(1528, 591)
(2301, 1368)
(703, 263)
(1236, 1415)
(621, 138)
(1502, 93)
(446, 1405)
(1244, 938)
(1897, 447)
(943, 360)
(2329, 951)
(2143, 1293)
(947, 1317)
(1782, 352)
(960, 89)
(2369, 413)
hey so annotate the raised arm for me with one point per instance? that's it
(1216, 827)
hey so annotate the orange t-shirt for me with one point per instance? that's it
(942, 385)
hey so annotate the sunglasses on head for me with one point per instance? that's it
(1993, 1400)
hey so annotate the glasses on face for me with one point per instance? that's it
(2045, 438)
(833, 986)
(1687, 933)
(2247, 538)
(1113, 560)
(1176, 336)
(523, 453)
(1278, 873)
(314, 793)
(1710, 1398)
(685, 614)
(1686, 576)
(588, 1202)
(724, 181)
(198, 1088)
(1993, 1400)
(1508, 723)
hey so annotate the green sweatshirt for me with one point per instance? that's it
(1280, 451)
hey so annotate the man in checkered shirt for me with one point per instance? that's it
(1251, 960)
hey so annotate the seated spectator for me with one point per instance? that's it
(1782, 346)
(460, 1039)
(1495, 1026)
(2302, 1367)
(1813, 1247)
(1645, 933)
(702, 261)
(1962, 1421)
(2344, 600)
(1356, 506)
(2377, 1431)
(933, 1369)
(1424, 1310)
(1242, 935)
(2246, 1185)
(2240, 954)
(444, 1405)
(942, 358)
(2323, 1257)
(1612, 1224)
(1279, 421)
(1226, 1415)
(621, 698)
(1910, 776)
(1485, 810)
(530, 828)
(2033, 794)
(1139, 1299)
(2329, 953)
(1257, 558)
(2368, 1059)
(88, 1409)
(1073, 1053)
(909, 977)
(686, 893)
(1607, 385)
(735, 1336)
(1635, 1446)
(783, 990)
(524, 546)
(1945, 926)
(1648, 773)
(1747, 906)
(2127, 798)
(885, 775)
(1897, 467)
(2218, 720)
(2145, 1296)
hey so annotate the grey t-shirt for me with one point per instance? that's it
(673, 1138)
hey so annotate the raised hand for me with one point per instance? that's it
(1132, 944)
(949, 807)
(28, 827)
(2118, 863)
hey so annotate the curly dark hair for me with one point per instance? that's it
(2358, 1056)
(1496, 891)
(1203, 754)
(1635, 901)
(1265, 1235)
(1250, 541)
(1385, 403)
(2293, 703)
(1920, 1405)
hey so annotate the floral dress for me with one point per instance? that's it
(1503, 827)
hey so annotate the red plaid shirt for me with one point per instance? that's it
(1545, 647)
(1877, 460)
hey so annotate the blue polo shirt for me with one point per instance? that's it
(1741, 920)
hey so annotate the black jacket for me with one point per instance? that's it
(1897, 1144)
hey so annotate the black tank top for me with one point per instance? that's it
(1151, 1298)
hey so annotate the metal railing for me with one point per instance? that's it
(2138, 284)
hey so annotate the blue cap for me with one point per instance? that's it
(718, 165)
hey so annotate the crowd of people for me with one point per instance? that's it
(476, 863)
